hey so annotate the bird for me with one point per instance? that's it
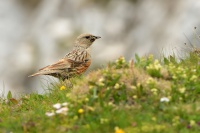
(74, 63)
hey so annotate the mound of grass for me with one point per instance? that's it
(125, 97)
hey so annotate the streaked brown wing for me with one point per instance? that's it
(61, 64)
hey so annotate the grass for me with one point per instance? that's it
(147, 95)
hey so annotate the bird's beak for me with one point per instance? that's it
(97, 37)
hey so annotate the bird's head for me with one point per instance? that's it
(85, 40)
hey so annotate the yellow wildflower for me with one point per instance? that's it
(138, 85)
(118, 130)
(101, 79)
(176, 121)
(182, 90)
(193, 78)
(62, 88)
(154, 90)
(80, 111)
(150, 80)
(150, 57)
(135, 97)
(116, 86)
(192, 123)
(91, 87)
(133, 87)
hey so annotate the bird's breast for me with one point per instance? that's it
(83, 67)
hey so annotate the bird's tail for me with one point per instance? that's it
(35, 74)
(49, 72)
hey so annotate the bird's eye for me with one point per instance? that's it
(87, 37)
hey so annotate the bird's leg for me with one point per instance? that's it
(62, 81)
(66, 79)
(68, 83)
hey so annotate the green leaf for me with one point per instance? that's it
(9, 95)
(166, 61)
(137, 58)
(172, 59)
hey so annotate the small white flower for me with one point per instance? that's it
(62, 111)
(64, 104)
(164, 99)
(49, 114)
(57, 106)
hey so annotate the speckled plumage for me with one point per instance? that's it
(74, 63)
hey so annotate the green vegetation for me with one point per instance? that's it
(144, 95)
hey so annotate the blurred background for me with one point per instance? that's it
(36, 33)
